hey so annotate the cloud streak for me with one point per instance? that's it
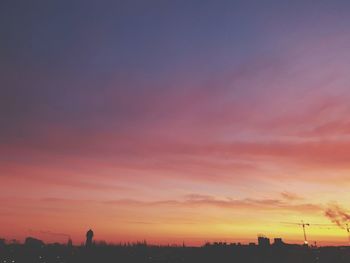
(196, 201)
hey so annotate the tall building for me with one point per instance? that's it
(89, 237)
(70, 243)
(263, 241)
(278, 241)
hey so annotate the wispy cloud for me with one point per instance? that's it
(291, 196)
(195, 201)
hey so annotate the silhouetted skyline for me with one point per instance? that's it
(175, 121)
(35, 250)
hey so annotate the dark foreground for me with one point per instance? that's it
(141, 253)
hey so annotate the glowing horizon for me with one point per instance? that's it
(171, 122)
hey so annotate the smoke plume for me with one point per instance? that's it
(337, 215)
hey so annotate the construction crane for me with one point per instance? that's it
(339, 226)
(324, 226)
(303, 225)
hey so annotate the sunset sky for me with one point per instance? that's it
(174, 121)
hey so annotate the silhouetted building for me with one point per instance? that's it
(263, 241)
(70, 243)
(134, 253)
(33, 242)
(278, 242)
(89, 237)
